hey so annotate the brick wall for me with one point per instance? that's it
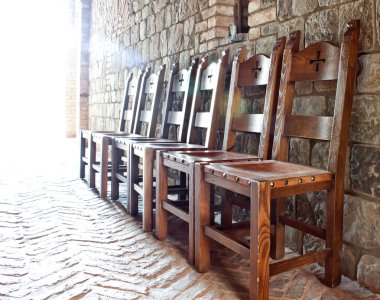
(126, 35)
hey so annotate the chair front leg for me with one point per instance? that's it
(133, 173)
(115, 168)
(91, 171)
(82, 155)
(148, 189)
(202, 218)
(191, 213)
(278, 239)
(104, 166)
(161, 195)
(260, 241)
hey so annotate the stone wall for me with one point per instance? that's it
(126, 35)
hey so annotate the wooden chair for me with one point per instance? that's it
(209, 79)
(126, 122)
(274, 179)
(179, 82)
(151, 87)
(259, 70)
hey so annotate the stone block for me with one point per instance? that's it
(154, 46)
(330, 2)
(362, 10)
(185, 9)
(253, 6)
(160, 21)
(169, 16)
(203, 37)
(292, 25)
(369, 77)
(217, 32)
(325, 86)
(200, 27)
(263, 16)
(150, 26)
(303, 7)
(303, 88)
(284, 9)
(142, 30)
(378, 20)
(365, 119)
(319, 155)
(365, 170)
(269, 29)
(369, 272)
(314, 32)
(189, 26)
(175, 39)
(265, 45)
(225, 10)
(310, 105)
(135, 34)
(350, 259)
(267, 3)
(223, 2)
(220, 21)
(299, 151)
(254, 33)
(361, 222)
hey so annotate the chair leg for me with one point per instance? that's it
(148, 190)
(260, 241)
(91, 171)
(115, 164)
(334, 229)
(133, 173)
(161, 195)
(277, 249)
(104, 167)
(202, 218)
(191, 214)
(226, 209)
(82, 154)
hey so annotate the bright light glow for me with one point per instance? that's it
(35, 37)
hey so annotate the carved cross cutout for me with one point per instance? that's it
(209, 76)
(317, 61)
(181, 80)
(256, 69)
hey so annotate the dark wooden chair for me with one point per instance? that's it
(179, 82)
(259, 70)
(275, 179)
(126, 122)
(209, 80)
(151, 89)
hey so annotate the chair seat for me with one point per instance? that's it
(166, 146)
(207, 156)
(283, 175)
(99, 134)
(136, 138)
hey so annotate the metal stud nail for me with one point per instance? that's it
(272, 184)
(182, 160)
(249, 182)
(237, 179)
(212, 171)
(300, 180)
(168, 156)
(312, 178)
(286, 182)
(174, 159)
(224, 175)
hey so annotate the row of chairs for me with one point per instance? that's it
(265, 179)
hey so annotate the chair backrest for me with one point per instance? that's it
(319, 61)
(259, 70)
(130, 100)
(151, 89)
(179, 82)
(209, 78)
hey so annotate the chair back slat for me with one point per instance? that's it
(179, 81)
(310, 127)
(209, 77)
(128, 110)
(202, 119)
(145, 116)
(175, 117)
(151, 86)
(319, 61)
(258, 70)
(338, 63)
(254, 71)
(250, 123)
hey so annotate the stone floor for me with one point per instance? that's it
(58, 240)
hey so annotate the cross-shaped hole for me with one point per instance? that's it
(181, 80)
(317, 61)
(256, 69)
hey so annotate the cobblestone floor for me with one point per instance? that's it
(58, 240)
